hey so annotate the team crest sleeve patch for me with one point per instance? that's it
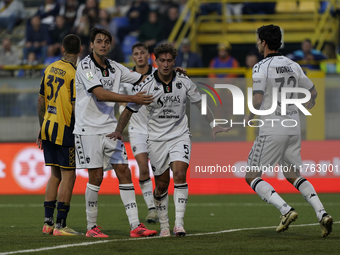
(89, 76)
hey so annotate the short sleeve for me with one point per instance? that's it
(259, 81)
(304, 81)
(128, 76)
(42, 87)
(193, 94)
(88, 78)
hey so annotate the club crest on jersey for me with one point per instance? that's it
(179, 85)
(89, 76)
(167, 88)
(105, 73)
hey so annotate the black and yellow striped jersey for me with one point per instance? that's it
(58, 89)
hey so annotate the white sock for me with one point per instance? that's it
(269, 195)
(91, 198)
(180, 200)
(146, 187)
(162, 204)
(308, 192)
(127, 194)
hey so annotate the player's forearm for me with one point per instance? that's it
(123, 120)
(209, 117)
(41, 109)
(108, 96)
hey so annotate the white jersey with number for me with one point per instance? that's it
(138, 120)
(91, 115)
(277, 71)
(166, 114)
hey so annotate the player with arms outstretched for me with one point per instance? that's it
(278, 144)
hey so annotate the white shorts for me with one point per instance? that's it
(94, 151)
(270, 150)
(161, 154)
(138, 143)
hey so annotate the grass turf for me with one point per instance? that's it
(233, 224)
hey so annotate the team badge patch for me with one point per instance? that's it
(105, 73)
(89, 76)
(179, 85)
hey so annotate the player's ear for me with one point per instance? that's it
(63, 50)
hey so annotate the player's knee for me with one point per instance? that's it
(144, 173)
(161, 188)
(179, 176)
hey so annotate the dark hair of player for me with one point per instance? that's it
(138, 45)
(272, 35)
(94, 31)
(165, 48)
(71, 44)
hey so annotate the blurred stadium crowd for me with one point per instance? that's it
(31, 32)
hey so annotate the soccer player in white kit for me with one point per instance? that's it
(276, 143)
(168, 141)
(138, 132)
(97, 84)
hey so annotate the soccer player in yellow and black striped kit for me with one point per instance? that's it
(56, 117)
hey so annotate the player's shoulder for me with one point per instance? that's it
(182, 77)
(149, 80)
(86, 64)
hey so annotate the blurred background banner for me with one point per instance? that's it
(22, 169)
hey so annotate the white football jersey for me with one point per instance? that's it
(279, 71)
(138, 120)
(166, 114)
(91, 115)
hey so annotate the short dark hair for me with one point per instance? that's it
(140, 44)
(94, 31)
(71, 44)
(272, 35)
(165, 48)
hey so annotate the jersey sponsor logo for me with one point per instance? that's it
(284, 69)
(29, 169)
(178, 85)
(168, 111)
(159, 102)
(107, 84)
(52, 109)
(156, 88)
(172, 99)
(168, 117)
(89, 76)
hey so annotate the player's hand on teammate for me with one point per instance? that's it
(219, 129)
(141, 98)
(181, 70)
(116, 135)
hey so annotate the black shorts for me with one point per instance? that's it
(57, 155)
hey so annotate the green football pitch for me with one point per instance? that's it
(224, 224)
